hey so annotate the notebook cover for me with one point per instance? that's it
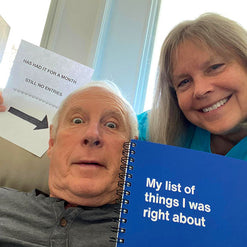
(182, 197)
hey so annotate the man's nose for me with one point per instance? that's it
(92, 137)
(202, 87)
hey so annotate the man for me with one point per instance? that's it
(85, 150)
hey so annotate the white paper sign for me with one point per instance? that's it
(39, 81)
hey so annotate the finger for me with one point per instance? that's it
(2, 108)
(1, 98)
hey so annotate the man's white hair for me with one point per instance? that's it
(110, 87)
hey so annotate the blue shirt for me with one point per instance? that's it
(198, 139)
(143, 126)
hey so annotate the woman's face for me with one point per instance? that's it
(211, 89)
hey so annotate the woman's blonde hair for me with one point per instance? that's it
(167, 124)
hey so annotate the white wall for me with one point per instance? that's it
(73, 30)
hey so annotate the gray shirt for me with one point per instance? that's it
(34, 219)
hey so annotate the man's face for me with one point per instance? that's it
(86, 151)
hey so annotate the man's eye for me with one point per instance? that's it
(111, 125)
(77, 120)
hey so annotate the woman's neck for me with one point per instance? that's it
(222, 144)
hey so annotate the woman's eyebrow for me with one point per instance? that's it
(206, 63)
(180, 77)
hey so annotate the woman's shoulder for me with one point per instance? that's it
(143, 117)
(143, 125)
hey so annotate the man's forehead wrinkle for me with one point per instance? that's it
(97, 94)
(115, 112)
(115, 109)
(75, 109)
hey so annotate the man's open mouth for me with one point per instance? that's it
(88, 163)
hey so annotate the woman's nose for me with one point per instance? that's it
(202, 87)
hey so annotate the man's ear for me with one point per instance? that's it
(51, 141)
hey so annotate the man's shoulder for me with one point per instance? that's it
(8, 191)
(9, 194)
(22, 202)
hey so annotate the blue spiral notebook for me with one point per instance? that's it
(179, 197)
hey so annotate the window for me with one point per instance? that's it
(173, 12)
(26, 20)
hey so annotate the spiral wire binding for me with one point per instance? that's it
(125, 168)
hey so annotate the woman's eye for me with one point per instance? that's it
(183, 83)
(216, 66)
(111, 125)
(77, 120)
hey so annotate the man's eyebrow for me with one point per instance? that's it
(74, 110)
(113, 113)
(118, 114)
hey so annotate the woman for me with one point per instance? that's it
(201, 92)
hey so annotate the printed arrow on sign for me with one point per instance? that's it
(39, 124)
